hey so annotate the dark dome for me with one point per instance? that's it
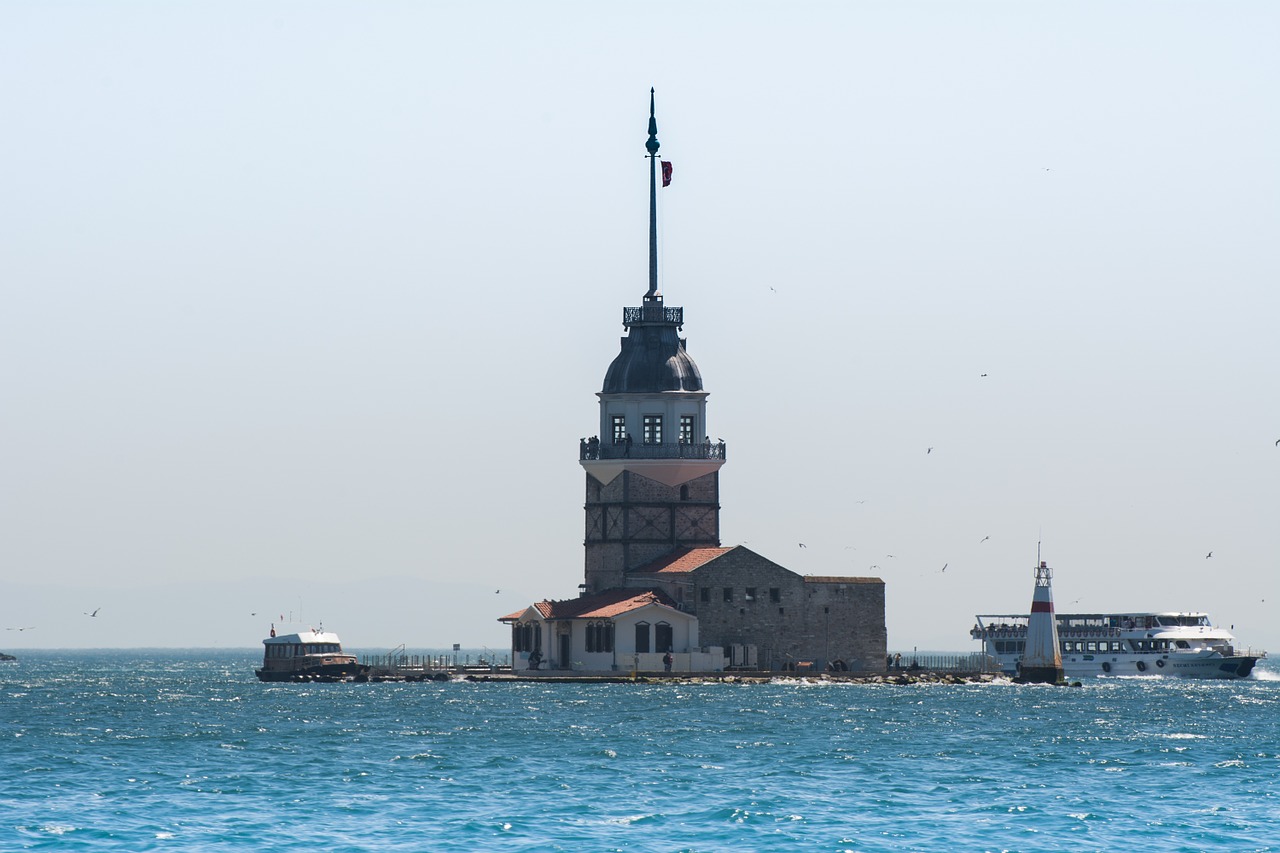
(653, 358)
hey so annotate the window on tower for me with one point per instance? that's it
(686, 429)
(619, 429)
(653, 429)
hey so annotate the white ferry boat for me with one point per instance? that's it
(1179, 644)
(307, 655)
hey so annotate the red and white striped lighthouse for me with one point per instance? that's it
(1042, 660)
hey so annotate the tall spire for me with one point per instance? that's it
(652, 147)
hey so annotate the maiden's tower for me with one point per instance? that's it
(659, 590)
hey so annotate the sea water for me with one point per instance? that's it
(166, 750)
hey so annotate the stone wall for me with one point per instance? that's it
(633, 520)
(788, 617)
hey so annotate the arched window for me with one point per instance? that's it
(593, 630)
(642, 637)
(684, 492)
(606, 639)
(663, 640)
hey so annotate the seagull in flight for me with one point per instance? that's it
(1207, 556)
(927, 452)
(944, 566)
(983, 539)
(94, 613)
(802, 545)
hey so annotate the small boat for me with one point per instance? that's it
(309, 655)
(1186, 645)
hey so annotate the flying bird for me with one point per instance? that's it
(927, 452)
(944, 566)
(983, 539)
(983, 375)
(94, 613)
(802, 545)
(1207, 556)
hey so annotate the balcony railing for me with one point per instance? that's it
(652, 314)
(593, 448)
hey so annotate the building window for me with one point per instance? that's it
(728, 593)
(704, 595)
(592, 631)
(686, 429)
(642, 637)
(663, 639)
(751, 593)
(619, 429)
(653, 429)
(684, 492)
(775, 594)
(606, 637)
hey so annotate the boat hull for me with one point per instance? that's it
(320, 672)
(1178, 666)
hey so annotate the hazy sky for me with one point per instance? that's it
(305, 304)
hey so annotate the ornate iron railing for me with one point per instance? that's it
(593, 448)
(652, 314)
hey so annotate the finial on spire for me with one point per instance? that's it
(652, 145)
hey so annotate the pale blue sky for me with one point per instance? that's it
(305, 304)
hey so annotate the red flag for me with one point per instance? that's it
(666, 173)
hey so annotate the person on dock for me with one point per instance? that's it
(666, 661)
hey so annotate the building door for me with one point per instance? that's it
(566, 654)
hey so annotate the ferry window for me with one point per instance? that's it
(619, 429)
(1066, 647)
(642, 637)
(653, 429)
(1091, 646)
(1183, 644)
(775, 594)
(704, 595)
(686, 429)
(728, 593)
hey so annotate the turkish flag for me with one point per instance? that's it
(666, 173)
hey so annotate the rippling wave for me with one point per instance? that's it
(187, 751)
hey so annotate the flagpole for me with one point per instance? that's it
(652, 147)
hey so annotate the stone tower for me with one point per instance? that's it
(652, 472)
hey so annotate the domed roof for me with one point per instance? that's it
(653, 359)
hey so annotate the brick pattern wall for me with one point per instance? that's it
(633, 520)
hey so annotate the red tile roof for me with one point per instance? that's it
(603, 605)
(683, 560)
(830, 579)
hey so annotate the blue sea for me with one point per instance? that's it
(185, 750)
